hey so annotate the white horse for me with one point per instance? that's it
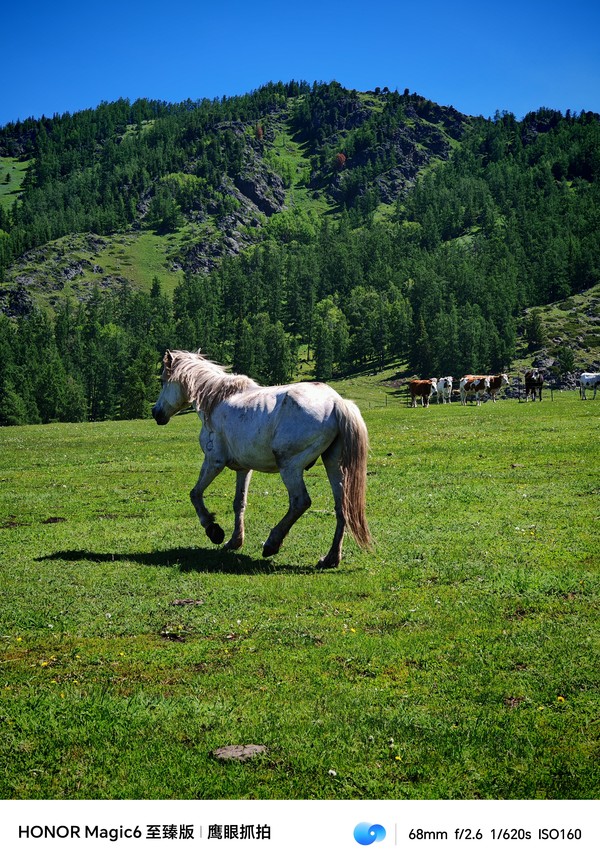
(283, 428)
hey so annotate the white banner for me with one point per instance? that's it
(461, 833)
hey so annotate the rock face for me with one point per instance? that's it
(268, 197)
(543, 362)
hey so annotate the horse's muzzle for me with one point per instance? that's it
(159, 416)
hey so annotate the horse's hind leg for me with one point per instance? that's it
(299, 502)
(331, 460)
(239, 507)
(208, 474)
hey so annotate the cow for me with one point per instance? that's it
(534, 381)
(496, 383)
(423, 388)
(588, 380)
(476, 385)
(444, 389)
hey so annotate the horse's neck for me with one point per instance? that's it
(203, 388)
(215, 385)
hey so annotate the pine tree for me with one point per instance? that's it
(331, 339)
(534, 330)
(140, 386)
(243, 349)
(421, 351)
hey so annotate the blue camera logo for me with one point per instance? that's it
(366, 834)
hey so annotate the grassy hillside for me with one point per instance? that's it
(459, 660)
(573, 323)
(12, 175)
(78, 264)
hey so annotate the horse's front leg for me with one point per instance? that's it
(209, 472)
(299, 502)
(239, 507)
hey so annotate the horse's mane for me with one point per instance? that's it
(206, 383)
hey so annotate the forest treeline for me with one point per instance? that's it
(510, 218)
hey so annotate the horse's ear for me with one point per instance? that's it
(168, 360)
(199, 351)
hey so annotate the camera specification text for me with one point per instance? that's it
(499, 834)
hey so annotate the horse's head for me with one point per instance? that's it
(172, 397)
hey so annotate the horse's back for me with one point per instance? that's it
(313, 399)
(264, 428)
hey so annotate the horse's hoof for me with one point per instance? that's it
(268, 550)
(215, 533)
(327, 563)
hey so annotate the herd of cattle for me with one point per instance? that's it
(478, 386)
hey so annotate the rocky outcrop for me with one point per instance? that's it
(263, 188)
(48, 270)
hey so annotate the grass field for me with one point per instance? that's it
(459, 660)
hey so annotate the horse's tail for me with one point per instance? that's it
(355, 447)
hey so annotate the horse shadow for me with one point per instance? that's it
(185, 559)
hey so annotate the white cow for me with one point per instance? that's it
(588, 380)
(444, 389)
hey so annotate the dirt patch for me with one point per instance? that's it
(239, 752)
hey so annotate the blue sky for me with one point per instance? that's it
(479, 57)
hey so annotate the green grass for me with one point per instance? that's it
(141, 256)
(460, 659)
(16, 169)
(291, 159)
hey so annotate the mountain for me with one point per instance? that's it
(221, 168)
(356, 227)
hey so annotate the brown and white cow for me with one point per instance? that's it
(423, 388)
(497, 381)
(472, 384)
(534, 381)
